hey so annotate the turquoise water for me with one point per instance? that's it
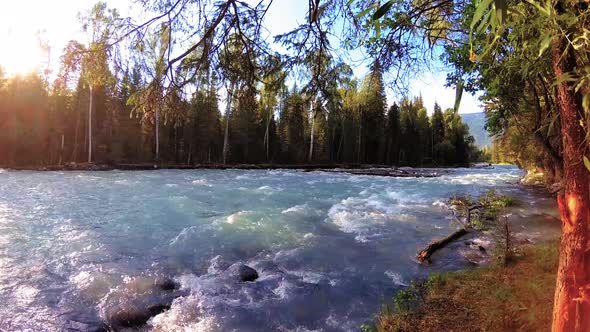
(329, 248)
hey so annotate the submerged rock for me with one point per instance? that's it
(134, 316)
(133, 304)
(247, 273)
(166, 284)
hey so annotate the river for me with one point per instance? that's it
(330, 248)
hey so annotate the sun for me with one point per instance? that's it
(24, 57)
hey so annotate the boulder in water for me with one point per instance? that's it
(135, 316)
(247, 273)
(166, 284)
(131, 305)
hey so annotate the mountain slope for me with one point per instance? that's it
(476, 123)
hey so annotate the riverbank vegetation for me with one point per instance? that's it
(513, 292)
(515, 297)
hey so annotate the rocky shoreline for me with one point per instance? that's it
(354, 169)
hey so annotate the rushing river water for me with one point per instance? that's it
(330, 248)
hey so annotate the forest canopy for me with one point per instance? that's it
(153, 91)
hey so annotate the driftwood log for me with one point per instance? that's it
(424, 254)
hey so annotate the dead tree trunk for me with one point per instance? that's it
(424, 254)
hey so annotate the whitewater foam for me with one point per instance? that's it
(396, 278)
(201, 182)
(236, 217)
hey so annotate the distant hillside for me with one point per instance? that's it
(476, 122)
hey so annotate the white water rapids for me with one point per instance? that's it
(330, 248)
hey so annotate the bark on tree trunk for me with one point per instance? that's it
(267, 137)
(157, 135)
(360, 138)
(90, 126)
(310, 157)
(226, 134)
(61, 149)
(77, 133)
(339, 153)
(571, 311)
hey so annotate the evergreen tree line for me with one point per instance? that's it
(40, 125)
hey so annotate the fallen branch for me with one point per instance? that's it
(425, 254)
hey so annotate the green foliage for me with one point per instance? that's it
(492, 204)
(495, 201)
(393, 135)
(383, 10)
(245, 129)
(461, 201)
(368, 328)
(372, 108)
(516, 45)
(292, 128)
(408, 298)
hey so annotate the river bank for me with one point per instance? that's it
(354, 169)
(516, 297)
(510, 289)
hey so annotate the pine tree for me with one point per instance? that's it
(424, 136)
(292, 127)
(373, 105)
(393, 135)
(438, 125)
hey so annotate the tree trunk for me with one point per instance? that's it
(571, 311)
(90, 125)
(61, 149)
(267, 137)
(157, 135)
(360, 138)
(226, 134)
(340, 143)
(265, 140)
(76, 135)
(310, 157)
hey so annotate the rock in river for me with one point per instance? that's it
(134, 303)
(166, 284)
(247, 273)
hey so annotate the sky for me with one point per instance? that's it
(24, 23)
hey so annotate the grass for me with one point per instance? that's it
(492, 204)
(517, 297)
